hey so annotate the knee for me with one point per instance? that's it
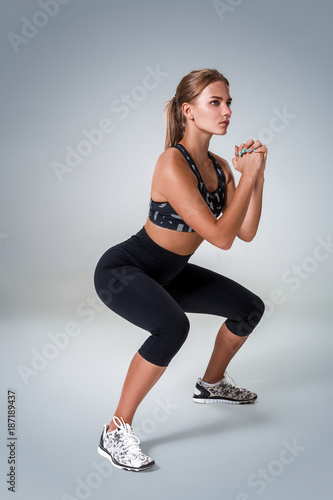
(184, 328)
(176, 329)
(258, 311)
(255, 314)
(166, 340)
(245, 324)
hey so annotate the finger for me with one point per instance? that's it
(251, 145)
(261, 149)
(241, 149)
(248, 144)
(257, 144)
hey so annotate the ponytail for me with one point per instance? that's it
(189, 88)
(175, 123)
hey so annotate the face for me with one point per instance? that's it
(211, 110)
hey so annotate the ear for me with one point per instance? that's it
(187, 110)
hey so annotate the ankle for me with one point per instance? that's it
(113, 426)
(211, 381)
(208, 384)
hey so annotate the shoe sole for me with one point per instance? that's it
(228, 401)
(116, 464)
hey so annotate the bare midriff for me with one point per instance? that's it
(174, 241)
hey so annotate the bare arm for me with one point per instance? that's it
(250, 223)
(178, 186)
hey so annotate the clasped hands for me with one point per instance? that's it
(254, 149)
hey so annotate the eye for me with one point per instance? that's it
(229, 104)
(215, 103)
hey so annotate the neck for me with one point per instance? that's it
(197, 144)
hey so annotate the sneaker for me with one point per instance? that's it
(121, 447)
(223, 392)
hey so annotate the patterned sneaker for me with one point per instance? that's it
(222, 392)
(121, 447)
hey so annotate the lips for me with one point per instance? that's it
(225, 123)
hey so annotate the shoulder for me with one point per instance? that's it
(225, 167)
(171, 163)
(170, 156)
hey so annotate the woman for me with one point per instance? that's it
(147, 279)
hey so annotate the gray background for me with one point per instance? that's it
(68, 76)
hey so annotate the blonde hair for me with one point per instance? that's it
(189, 88)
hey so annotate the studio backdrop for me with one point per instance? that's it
(83, 86)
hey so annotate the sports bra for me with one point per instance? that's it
(162, 214)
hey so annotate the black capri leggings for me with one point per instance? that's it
(153, 288)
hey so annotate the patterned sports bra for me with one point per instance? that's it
(162, 214)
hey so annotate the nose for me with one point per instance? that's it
(226, 111)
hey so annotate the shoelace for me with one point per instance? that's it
(129, 441)
(232, 383)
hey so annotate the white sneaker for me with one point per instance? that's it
(121, 447)
(222, 392)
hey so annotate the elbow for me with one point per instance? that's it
(246, 236)
(225, 244)
(247, 239)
